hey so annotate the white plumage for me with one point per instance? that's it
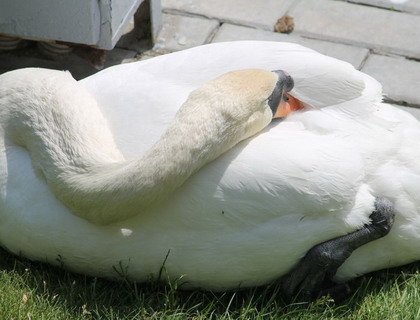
(249, 216)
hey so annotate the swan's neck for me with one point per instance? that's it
(70, 144)
(113, 192)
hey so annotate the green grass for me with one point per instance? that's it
(31, 290)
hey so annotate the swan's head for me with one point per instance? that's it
(281, 102)
(256, 90)
(247, 98)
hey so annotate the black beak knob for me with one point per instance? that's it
(285, 80)
(284, 84)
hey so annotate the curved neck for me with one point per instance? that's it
(111, 192)
(71, 145)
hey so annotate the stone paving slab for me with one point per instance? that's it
(351, 54)
(400, 77)
(411, 6)
(261, 14)
(182, 32)
(374, 28)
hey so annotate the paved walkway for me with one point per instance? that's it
(379, 37)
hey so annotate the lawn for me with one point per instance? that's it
(30, 290)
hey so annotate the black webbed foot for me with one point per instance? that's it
(319, 265)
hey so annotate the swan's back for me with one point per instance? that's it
(143, 97)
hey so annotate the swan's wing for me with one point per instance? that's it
(141, 98)
(319, 80)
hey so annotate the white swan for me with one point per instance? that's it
(250, 215)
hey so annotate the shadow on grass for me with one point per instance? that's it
(88, 297)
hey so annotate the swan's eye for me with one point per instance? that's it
(286, 97)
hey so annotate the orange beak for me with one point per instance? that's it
(286, 107)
